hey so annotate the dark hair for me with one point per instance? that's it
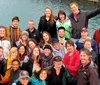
(26, 51)
(62, 12)
(1, 47)
(2, 27)
(69, 42)
(85, 50)
(42, 42)
(15, 18)
(57, 58)
(33, 40)
(61, 28)
(16, 60)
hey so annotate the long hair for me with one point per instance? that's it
(52, 17)
(42, 42)
(38, 57)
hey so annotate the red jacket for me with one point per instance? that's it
(96, 36)
(72, 63)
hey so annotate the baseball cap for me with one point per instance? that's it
(23, 74)
(57, 58)
(84, 29)
(55, 40)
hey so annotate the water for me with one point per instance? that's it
(34, 9)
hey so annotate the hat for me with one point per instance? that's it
(47, 46)
(55, 40)
(25, 33)
(23, 74)
(84, 29)
(57, 58)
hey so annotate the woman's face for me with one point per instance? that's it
(14, 55)
(43, 75)
(45, 37)
(24, 37)
(62, 17)
(48, 12)
(31, 45)
(47, 52)
(21, 50)
(36, 52)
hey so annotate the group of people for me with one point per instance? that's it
(59, 52)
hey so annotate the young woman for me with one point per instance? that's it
(46, 39)
(31, 44)
(33, 63)
(47, 23)
(23, 54)
(23, 39)
(64, 21)
(13, 54)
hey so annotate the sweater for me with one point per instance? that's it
(72, 62)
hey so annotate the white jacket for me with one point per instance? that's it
(6, 45)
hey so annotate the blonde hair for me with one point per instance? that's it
(73, 3)
(13, 50)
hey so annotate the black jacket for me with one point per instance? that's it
(45, 25)
(88, 75)
(13, 76)
(3, 65)
(53, 78)
(34, 35)
(81, 21)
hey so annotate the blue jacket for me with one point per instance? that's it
(80, 43)
(34, 81)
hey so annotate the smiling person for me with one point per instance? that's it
(13, 32)
(46, 39)
(71, 61)
(33, 32)
(87, 73)
(47, 23)
(15, 71)
(23, 79)
(79, 19)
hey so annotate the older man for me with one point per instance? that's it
(33, 33)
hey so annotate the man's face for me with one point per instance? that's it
(2, 32)
(74, 9)
(56, 46)
(30, 25)
(15, 65)
(15, 23)
(84, 58)
(24, 81)
(69, 48)
(61, 33)
(84, 34)
(58, 64)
